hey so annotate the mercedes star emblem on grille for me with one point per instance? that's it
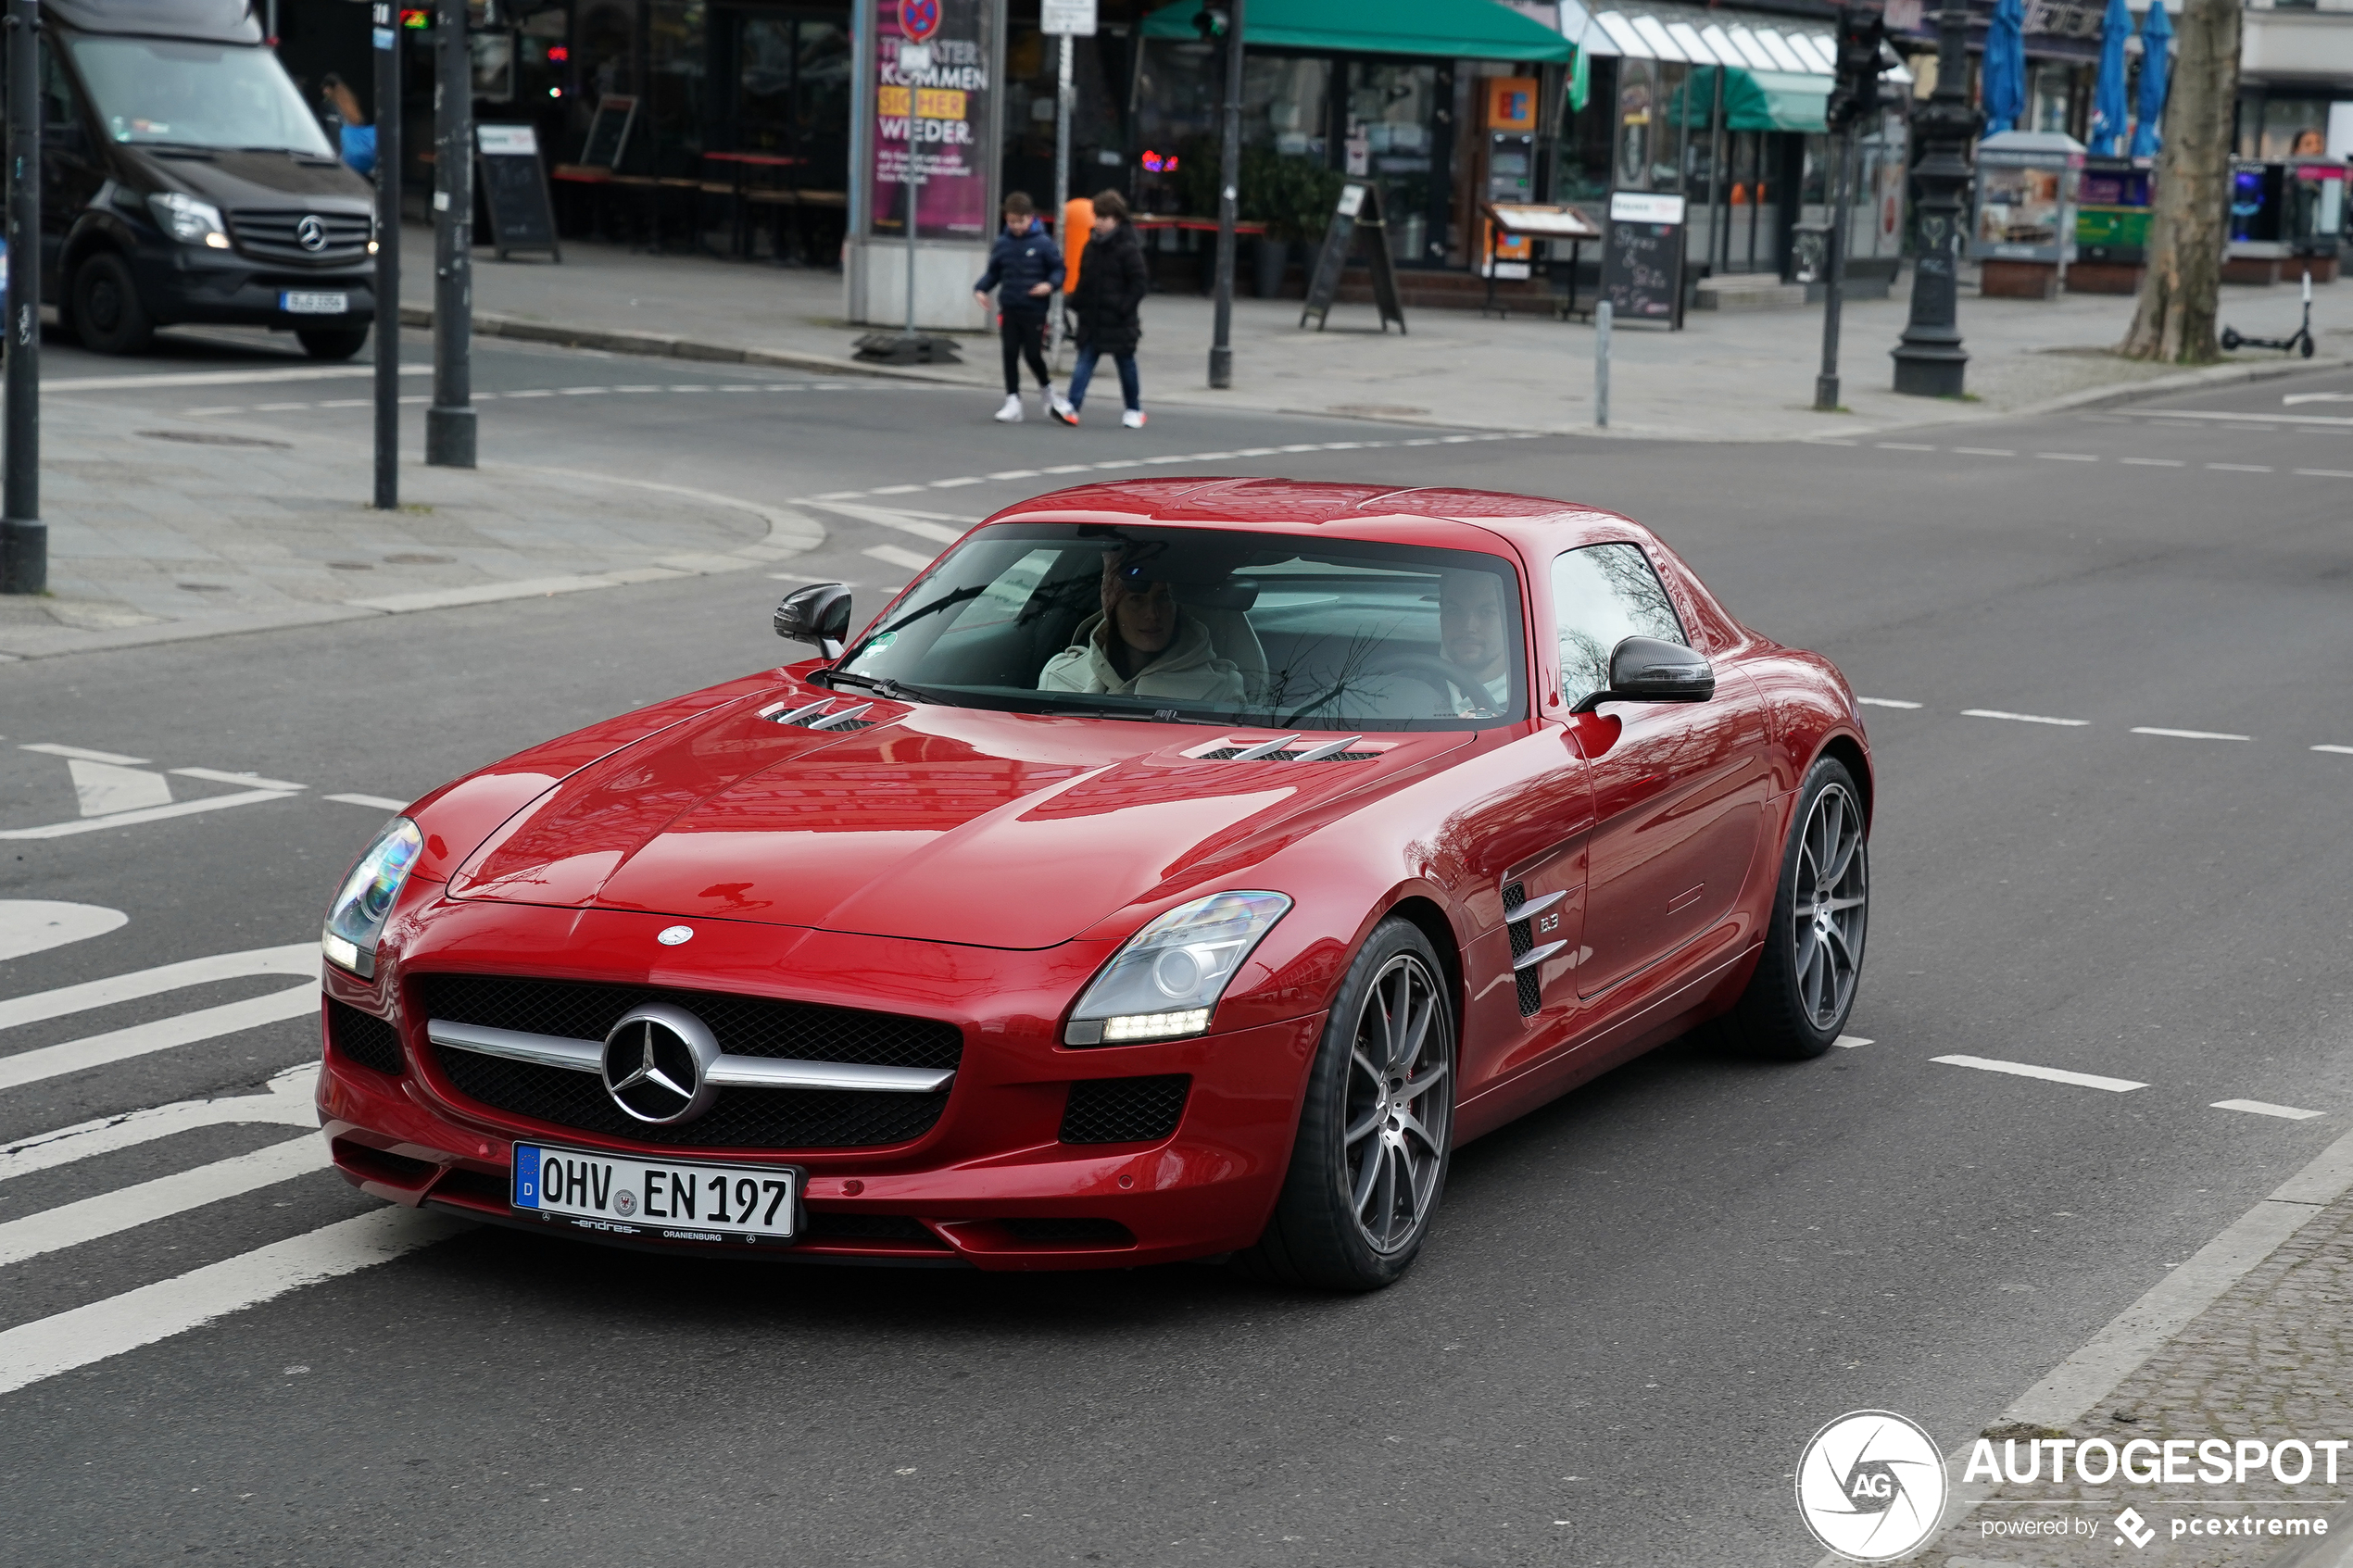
(311, 232)
(657, 1064)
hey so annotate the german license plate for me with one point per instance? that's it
(674, 1200)
(303, 302)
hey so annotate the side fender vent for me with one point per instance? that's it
(1528, 956)
(1284, 751)
(820, 715)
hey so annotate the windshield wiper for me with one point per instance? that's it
(881, 685)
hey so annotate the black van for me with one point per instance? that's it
(182, 179)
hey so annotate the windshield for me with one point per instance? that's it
(223, 95)
(1216, 625)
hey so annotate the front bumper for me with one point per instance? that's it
(185, 284)
(991, 1184)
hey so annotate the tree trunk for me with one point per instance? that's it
(2174, 318)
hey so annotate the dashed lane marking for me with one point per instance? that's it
(120, 1324)
(2319, 419)
(1985, 451)
(2186, 734)
(2067, 457)
(223, 378)
(2261, 1108)
(2340, 750)
(381, 802)
(1850, 1041)
(109, 1213)
(2154, 462)
(1902, 446)
(2048, 1074)
(2326, 473)
(2239, 467)
(1885, 702)
(2023, 718)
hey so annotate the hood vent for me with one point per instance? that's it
(1279, 751)
(814, 716)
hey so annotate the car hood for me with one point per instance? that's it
(941, 824)
(230, 179)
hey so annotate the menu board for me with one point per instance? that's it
(514, 190)
(1642, 258)
(944, 111)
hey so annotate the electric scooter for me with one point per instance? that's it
(2299, 341)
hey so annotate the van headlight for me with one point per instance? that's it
(355, 919)
(189, 221)
(1165, 981)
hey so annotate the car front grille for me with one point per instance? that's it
(362, 1038)
(1124, 1110)
(739, 1118)
(275, 234)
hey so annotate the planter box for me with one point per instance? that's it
(2105, 277)
(2257, 270)
(2018, 280)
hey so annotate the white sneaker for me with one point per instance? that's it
(1133, 419)
(1010, 413)
(1056, 406)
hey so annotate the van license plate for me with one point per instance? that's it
(675, 1199)
(296, 302)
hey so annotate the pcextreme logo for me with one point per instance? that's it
(1870, 1486)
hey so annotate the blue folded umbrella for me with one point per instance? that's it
(2108, 94)
(2156, 69)
(2003, 84)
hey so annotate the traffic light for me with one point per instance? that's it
(1862, 40)
(1211, 22)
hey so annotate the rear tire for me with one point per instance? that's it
(331, 343)
(108, 314)
(1803, 988)
(1376, 1132)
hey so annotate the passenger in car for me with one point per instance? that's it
(1474, 632)
(1142, 644)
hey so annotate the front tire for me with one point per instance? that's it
(1798, 999)
(107, 313)
(328, 342)
(1376, 1132)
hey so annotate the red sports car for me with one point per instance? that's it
(1172, 869)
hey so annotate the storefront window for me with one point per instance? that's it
(1583, 170)
(2292, 127)
(2050, 102)
(1284, 105)
(1637, 123)
(675, 84)
(1395, 134)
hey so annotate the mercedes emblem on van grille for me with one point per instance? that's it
(311, 232)
(657, 1064)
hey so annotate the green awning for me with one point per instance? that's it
(1758, 100)
(1478, 29)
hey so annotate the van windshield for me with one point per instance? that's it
(224, 95)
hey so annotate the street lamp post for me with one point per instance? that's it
(24, 538)
(1929, 361)
(450, 420)
(1229, 174)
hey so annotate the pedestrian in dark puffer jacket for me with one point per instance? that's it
(1112, 281)
(1025, 269)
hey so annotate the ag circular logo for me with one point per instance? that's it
(1871, 1487)
(311, 234)
(657, 1064)
(671, 935)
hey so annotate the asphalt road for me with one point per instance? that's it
(1638, 1303)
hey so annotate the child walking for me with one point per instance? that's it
(1025, 269)
(1112, 281)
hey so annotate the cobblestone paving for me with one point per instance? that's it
(2270, 1360)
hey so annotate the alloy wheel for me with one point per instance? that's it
(1828, 907)
(1399, 1113)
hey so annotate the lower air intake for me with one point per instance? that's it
(1124, 1110)
(362, 1038)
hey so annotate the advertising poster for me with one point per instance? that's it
(946, 107)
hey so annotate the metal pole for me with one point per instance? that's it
(24, 538)
(1834, 288)
(387, 44)
(1062, 94)
(1929, 361)
(1602, 314)
(911, 209)
(449, 422)
(1229, 174)
(1719, 212)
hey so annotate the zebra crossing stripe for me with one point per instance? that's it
(71, 1224)
(287, 1101)
(120, 1324)
(294, 957)
(141, 1039)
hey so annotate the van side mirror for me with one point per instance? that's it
(818, 614)
(1648, 669)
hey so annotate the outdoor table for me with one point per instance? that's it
(1550, 224)
(740, 229)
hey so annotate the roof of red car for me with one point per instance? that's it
(1287, 504)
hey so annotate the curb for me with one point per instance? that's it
(658, 345)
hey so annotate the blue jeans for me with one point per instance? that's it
(1131, 389)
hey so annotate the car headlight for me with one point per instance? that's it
(356, 919)
(1164, 982)
(189, 221)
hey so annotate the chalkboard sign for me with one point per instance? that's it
(608, 132)
(1359, 208)
(514, 190)
(1643, 258)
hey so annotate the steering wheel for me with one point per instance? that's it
(1443, 677)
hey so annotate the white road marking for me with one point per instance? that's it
(893, 555)
(956, 483)
(2261, 1108)
(287, 1101)
(163, 1035)
(294, 957)
(2254, 419)
(1851, 1041)
(2023, 718)
(47, 749)
(2186, 734)
(2340, 750)
(2067, 456)
(34, 926)
(103, 1329)
(2049, 1074)
(2293, 398)
(2239, 467)
(1885, 702)
(152, 814)
(107, 1213)
(223, 378)
(1985, 451)
(906, 522)
(251, 781)
(1902, 446)
(895, 490)
(2326, 473)
(482, 594)
(381, 802)
(2154, 462)
(1015, 473)
(101, 789)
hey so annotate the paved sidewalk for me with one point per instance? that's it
(1740, 376)
(160, 529)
